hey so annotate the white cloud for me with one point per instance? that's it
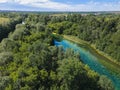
(3, 1)
(52, 5)
(31, 1)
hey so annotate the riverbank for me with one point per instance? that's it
(88, 58)
(105, 59)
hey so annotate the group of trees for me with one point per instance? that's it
(9, 26)
(30, 61)
(101, 30)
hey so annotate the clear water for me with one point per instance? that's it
(92, 61)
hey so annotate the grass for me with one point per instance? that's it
(4, 20)
(103, 58)
(75, 39)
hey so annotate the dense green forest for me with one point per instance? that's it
(30, 61)
(101, 30)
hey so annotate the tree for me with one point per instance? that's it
(4, 81)
(9, 45)
(72, 74)
(105, 83)
(20, 32)
(5, 58)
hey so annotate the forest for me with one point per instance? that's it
(30, 61)
(101, 30)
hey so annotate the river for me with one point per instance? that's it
(91, 60)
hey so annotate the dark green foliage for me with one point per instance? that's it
(73, 75)
(9, 27)
(105, 83)
(57, 37)
(9, 45)
(4, 81)
(30, 61)
(5, 58)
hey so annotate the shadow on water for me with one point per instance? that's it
(92, 60)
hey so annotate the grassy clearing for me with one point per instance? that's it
(103, 58)
(4, 20)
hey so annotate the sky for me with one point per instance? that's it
(60, 5)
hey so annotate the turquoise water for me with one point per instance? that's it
(88, 58)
